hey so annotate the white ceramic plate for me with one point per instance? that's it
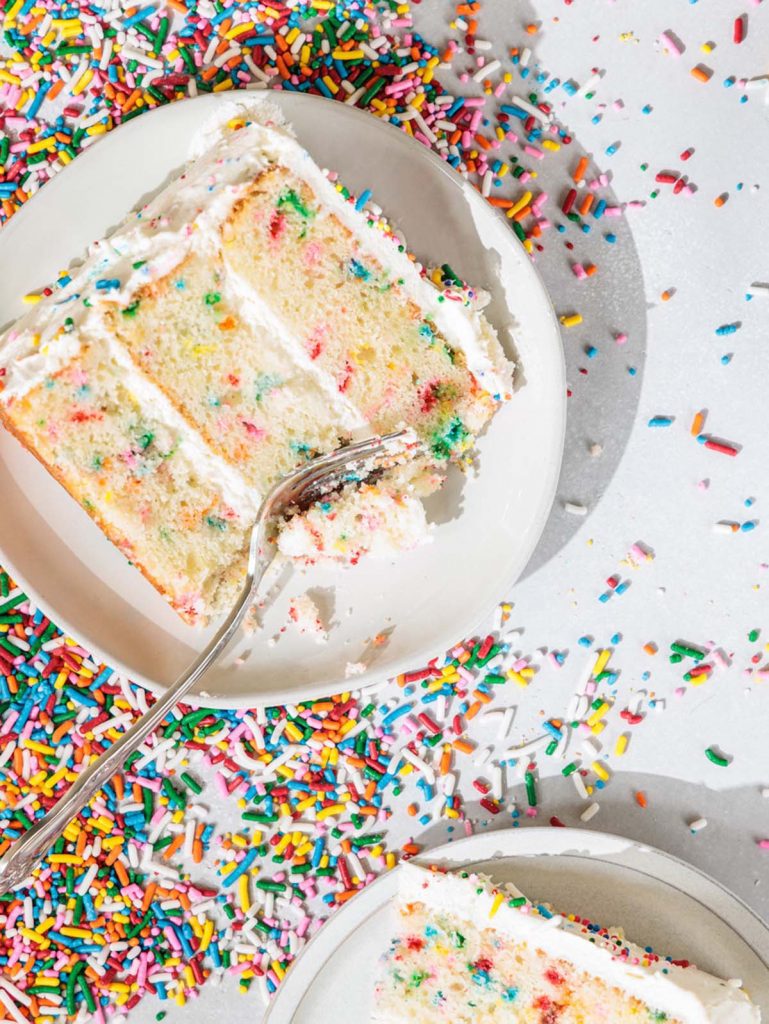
(661, 901)
(426, 600)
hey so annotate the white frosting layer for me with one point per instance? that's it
(686, 993)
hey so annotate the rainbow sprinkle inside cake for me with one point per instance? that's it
(467, 951)
(251, 316)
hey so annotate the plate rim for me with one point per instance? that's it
(583, 840)
(273, 695)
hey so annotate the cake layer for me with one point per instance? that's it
(165, 502)
(230, 376)
(468, 951)
(352, 316)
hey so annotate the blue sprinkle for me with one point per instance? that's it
(751, 524)
(661, 421)
(362, 199)
(728, 329)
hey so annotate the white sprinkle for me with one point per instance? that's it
(535, 112)
(422, 766)
(87, 880)
(589, 812)
(527, 748)
(698, 825)
(504, 725)
(482, 756)
(487, 69)
(589, 85)
(574, 508)
(579, 785)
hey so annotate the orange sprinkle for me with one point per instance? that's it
(650, 648)
(411, 849)
(121, 872)
(149, 892)
(697, 423)
(503, 204)
(667, 295)
(720, 200)
(412, 810)
(640, 798)
(701, 73)
(579, 170)
(463, 746)
(172, 847)
(584, 206)
(532, 29)
(343, 897)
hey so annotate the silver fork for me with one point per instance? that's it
(297, 490)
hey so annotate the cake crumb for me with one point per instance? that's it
(304, 614)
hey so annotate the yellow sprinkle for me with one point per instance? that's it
(278, 970)
(572, 320)
(550, 144)
(83, 82)
(40, 748)
(36, 937)
(601, 662)
(82, 933)
(243, 894)
(208, 931)
(519, 204)
(497, 903)
(517, 677)
(621, 745)
(597, 715)
(64, 858)
(31, 299)
(241, 29)
(38, 147)
(600, 771)
(327, 812)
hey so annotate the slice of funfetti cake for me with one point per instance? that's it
(468, 951)
(249, 317)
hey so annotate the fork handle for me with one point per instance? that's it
(25, 853)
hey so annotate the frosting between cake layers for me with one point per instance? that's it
(687, 993)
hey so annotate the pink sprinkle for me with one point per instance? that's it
(671, 44)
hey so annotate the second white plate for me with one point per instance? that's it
(662, 902)
(425, 600)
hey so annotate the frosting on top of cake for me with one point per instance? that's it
(687, 993)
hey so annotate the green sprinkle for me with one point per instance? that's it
(517, 901)
(211, 298)
(531, 789)
(687, 651)
(716, 758)
(569, 769)
(132, 310)
(13, 602)
(191, 783)
(269, 886)
(290, 198)
(753, 635)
